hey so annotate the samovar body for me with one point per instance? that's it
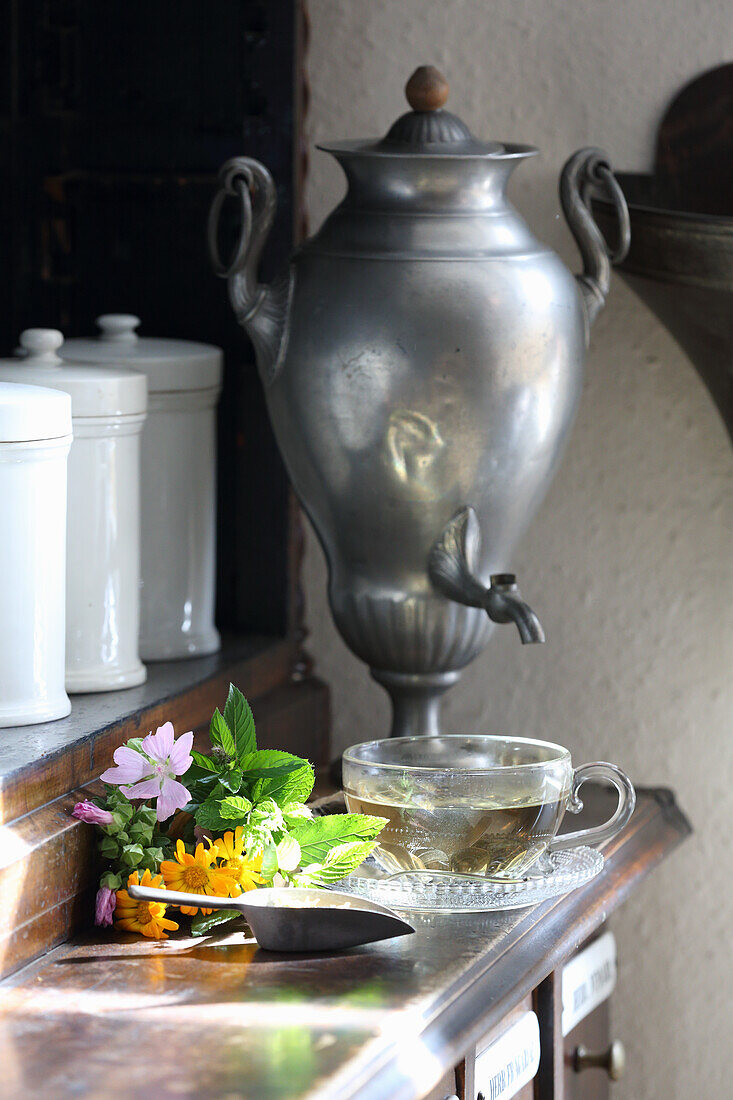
(422, 360)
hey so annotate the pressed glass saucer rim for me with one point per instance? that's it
(571, 869)
(562, 754)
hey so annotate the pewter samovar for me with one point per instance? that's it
(422, 358)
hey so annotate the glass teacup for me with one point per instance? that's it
(477, 805)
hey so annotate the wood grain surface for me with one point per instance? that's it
(219, 1017)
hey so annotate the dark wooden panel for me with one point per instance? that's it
(114, 120)
(38, 936)
(695, 144)
(549, 1083)
(47, 861)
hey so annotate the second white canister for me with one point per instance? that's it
(178, 482)
(103, 527)
(35, 436)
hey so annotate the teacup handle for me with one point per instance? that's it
(626, 803)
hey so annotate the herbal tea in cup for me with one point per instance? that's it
(476, 805)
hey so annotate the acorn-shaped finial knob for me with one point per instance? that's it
(427, 89)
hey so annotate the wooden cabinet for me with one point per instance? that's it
(563, 1072)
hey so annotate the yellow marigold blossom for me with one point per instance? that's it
(230, 849)
(193, 874)
(146, 917)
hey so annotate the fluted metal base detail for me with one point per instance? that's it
(415, 700)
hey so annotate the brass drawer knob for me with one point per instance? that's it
(612, 1060)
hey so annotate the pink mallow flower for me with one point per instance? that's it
(92, 814)
(153, 775)
(104, 906)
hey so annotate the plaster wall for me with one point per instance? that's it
(629, 560)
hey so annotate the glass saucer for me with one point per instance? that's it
(444, 892)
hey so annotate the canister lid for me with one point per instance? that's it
(170, 365)
(30, 414)
(94, 390)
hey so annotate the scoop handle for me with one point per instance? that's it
(178, 897)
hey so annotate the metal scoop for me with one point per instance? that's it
(291, 919)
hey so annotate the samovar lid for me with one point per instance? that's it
(427, 129)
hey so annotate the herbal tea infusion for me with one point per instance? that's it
(477, 805)
(461, 836)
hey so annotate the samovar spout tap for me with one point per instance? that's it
(453, 566)
(504, 605)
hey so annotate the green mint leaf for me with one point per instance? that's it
(204, 762)
(202, 924)
(208, 815)
(269, 861)
(111, 880)
(240, 720)
(255, 838)
(288, 854)
(201, 788)
(340, 861)
(231, 779)
(253, 768)
(318, 836)
(296, 812)
(235, 808)
(308, 877)
(221, 735)
(267, 812)
(292, 782)
(347, 857)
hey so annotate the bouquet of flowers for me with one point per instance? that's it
(213, 824)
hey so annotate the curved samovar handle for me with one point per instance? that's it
(261, 310)
(252, 184)
(588, 169)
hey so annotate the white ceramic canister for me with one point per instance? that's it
(103, 532)
(35, 436)
(178, 482)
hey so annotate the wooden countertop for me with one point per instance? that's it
(218, 1018)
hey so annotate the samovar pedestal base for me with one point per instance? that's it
(415, 699)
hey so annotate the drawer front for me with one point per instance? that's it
(588, 980)
(504, 1062)
(593, 1034)
(578, 1060)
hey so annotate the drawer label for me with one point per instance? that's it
(587, 980)
(510, 1062)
